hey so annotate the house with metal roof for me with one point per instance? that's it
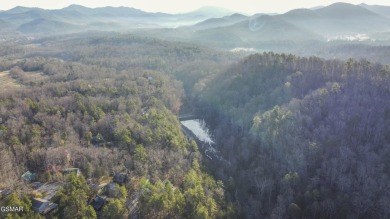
(29, 176)
(98, 202)
(43, 206)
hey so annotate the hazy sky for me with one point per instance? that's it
(174, 6)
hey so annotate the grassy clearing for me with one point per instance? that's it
(6, 82)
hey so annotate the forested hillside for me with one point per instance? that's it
(187, 62)
(306, 137)
(89, 117)
(105, 112)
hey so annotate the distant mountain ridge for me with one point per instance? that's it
(215, 12)
(339, 21)
(79, 17)
(220, 22)
(208, 24)
(18, 9)
(47, 26)
(344, 10)
(338, 18)
(379, 9)
(254, 31)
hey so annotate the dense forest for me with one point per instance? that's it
(306, 137)
(297, 106)
(104, 117)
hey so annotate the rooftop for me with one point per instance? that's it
(98, 202)
(42, 206)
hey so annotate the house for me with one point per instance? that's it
(68, 171)
(98, 202)
(120, 178)
(42, 206)
(49, 190)
(5, 192)
(29, 177)
(36, 185)
(97, 187)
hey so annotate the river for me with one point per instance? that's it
(207, 146)
(198, 129)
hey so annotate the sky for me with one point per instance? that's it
(178, 6)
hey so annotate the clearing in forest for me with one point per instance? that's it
(7, 82)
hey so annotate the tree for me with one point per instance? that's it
(115, 209)
(140, 153)
(13, 200)
(73, 198)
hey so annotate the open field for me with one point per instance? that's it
(7, 82)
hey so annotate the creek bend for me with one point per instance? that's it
(196, 129)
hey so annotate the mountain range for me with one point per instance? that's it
(338, 18)
(210, 25)
(76, 17)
